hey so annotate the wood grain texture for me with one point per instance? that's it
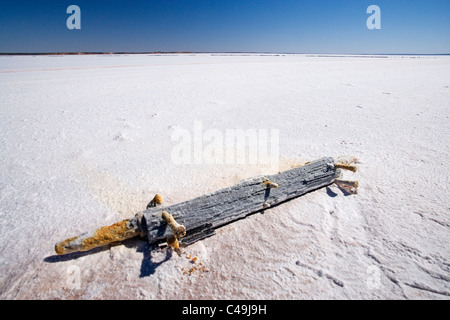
(202, 215)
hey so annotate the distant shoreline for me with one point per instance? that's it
(81, 53)
(188, 52)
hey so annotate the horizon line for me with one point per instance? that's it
(207, 52)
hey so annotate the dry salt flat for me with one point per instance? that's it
(86, 142)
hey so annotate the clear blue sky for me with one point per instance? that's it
(309, 26)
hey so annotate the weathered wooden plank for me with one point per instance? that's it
(202, 215)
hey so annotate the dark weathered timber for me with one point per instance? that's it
(202, 215)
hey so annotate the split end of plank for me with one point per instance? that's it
(346, 163)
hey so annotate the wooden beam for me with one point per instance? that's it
(202, 215)
(199, 218)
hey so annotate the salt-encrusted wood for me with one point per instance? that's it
(198, 218)
(202, 215)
